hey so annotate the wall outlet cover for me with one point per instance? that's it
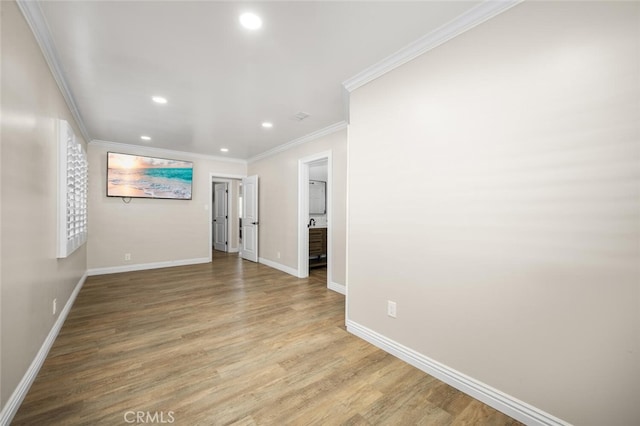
(391, 308)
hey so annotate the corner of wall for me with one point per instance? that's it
(9, 410)
(1, 399)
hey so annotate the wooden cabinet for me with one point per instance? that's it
(317, 247)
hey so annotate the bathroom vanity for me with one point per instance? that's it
(317, 247)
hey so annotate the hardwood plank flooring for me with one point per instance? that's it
(231, 342)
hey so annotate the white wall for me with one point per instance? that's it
(151, 230)
(279, 202)
(318, 171)
(2, 400)
(495, 180)
(31, 276)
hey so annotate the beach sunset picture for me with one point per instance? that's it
(148, 177)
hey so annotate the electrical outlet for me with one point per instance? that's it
(55, 306)
(278, 255)
(127, 256)
(391, 308)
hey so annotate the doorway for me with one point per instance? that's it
(314, 187)
(224, 217)
(220, 223)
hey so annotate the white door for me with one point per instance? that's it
(220, 217)
(250, 218)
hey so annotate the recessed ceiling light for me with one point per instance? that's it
(159, 99)
(224, 149)
(145, 138)
(250, 21)
(267, 125)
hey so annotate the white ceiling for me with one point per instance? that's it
(221, 80)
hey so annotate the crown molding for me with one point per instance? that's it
(302, 140)
(35, 18)
(164, 151)
(468, 20)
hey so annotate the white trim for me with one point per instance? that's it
(278, 266)
(303, 219)
(227, 192)
(226, 178)
(38, 24)
(11, 407)
(72, 175)
(146, 266)
(214, 175)
(221, 177)
(329, 219)
(507, 404)
(346, 104)
(303, 213)
(347, 232)
(468, 20)
(165, 151)
(302, 140)
(338, 288)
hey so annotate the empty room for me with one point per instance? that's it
(320, 212)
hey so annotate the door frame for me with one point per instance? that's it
(303, 213)
(227, 188)
(218, 177)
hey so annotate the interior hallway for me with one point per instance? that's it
(229, 342)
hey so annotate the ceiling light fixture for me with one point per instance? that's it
(145, 138)
(250, 21)
(159, 100)
(267, 125)
(224, 149)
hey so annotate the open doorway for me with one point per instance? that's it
(318, 224)
(314, 216)
(221, 201)
(224, 218)
(240, 216)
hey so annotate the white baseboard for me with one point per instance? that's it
(146, 266)
(507, 404)
(233, 250)
(278, 266)
(339, 288)
(11, 407)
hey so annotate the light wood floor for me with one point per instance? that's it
(230, 342)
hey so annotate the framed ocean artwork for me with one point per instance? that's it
(137, 176)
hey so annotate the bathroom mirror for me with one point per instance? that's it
(317, 197)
